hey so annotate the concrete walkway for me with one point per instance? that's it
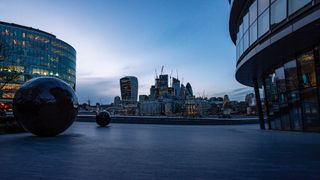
(132, 151)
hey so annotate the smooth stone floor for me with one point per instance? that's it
(133, 151)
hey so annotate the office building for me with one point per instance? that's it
(129, 89)
(25, 53)
(277, 51)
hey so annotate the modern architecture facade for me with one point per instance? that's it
(129, 89)
(26, 52)
(277, 51)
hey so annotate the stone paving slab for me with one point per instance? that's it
(132, 151)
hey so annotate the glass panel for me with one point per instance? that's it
(238, 37)
(262, 5)
(246, 22)
(295, 110)
(307, 68)
(278, 11)
(274, 100)
(291, 75)
(292, 86)
(240, 47)
(246, 41)
(281, 86)
(241, 30)
(237, 50)
(310, 109)
(253, 12)
(263, 23)
(295, 5)
(253, 32)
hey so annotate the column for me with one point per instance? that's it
(258, 102)
(266, 102)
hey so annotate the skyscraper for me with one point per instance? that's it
(176, 86)
(163, 85)
(129, 89)
(189, 91)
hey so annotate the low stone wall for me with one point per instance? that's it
(8, 124)
(172, 120)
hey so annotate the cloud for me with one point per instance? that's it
(97, 89)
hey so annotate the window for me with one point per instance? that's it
(307, 68)
(253, 12)
(246, 22)
(274, 100)
(237, 54)
(278, 11)
(262, 5)
(293, 97)
(280, 80)
(241, 47)
(295, 5)
(263, 23)
(246, 41)
(310, 109)
(241, 30)
(291, 75)
(253, 32)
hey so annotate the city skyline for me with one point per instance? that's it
(132, 38)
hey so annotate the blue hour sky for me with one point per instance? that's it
(134, 37)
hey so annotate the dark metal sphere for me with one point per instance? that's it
(45, 106)
(103, 118)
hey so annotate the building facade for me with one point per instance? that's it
(26, 53)
(277, 51)
(129, 89)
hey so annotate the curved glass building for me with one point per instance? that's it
(277, 44)
(26, 53)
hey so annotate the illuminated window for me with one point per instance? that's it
(10, 87)
(40, 71)
(8, 95)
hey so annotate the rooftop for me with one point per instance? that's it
(136, 151)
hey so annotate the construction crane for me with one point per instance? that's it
(162, 70)
(177, 74)
(156, 73)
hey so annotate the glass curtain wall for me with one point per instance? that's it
(261, 16)
(309, 91)
(293, 93)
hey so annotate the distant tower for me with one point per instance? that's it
(129, 89)
(176, 86)
(182, 92)
(153, 93)
(163, 85)
(117, 101)
(189, 91)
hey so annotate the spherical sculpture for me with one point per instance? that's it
(103, 118)
(45, 106)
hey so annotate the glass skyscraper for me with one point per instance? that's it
(129, 89)
(25, 53)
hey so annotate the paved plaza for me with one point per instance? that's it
(133, 151)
